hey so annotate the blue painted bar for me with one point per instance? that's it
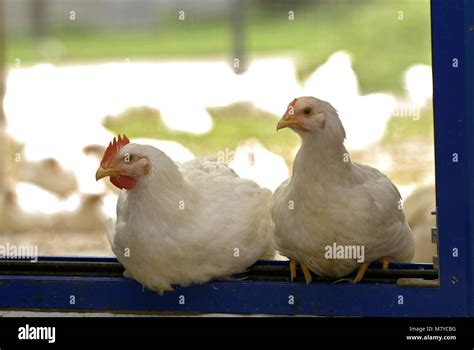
(120, 294)
(451, 138)
(469, 53)
(101, 259)
(453, 60)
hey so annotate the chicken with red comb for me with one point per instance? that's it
(179, 224)
(108, 168)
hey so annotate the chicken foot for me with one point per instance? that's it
(363, 268)
(307, 274)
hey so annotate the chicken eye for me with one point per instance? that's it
(127, 158)
(307, 111)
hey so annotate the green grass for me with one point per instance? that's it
(182, 42)
(232, 125)
(382, 46)
(401, 129)
(239, 122)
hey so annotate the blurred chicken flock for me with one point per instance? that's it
(60, 117)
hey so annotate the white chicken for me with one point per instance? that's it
(254, 162)
(337, 82)
(174, 150)
(13, 218)
(418, 207)
(331, 203)
(49, 175)
(86, 217)
(418, 81)
(183, 224)
(28, 208)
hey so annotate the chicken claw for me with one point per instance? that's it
(293, 264)
(306, 273)
(362, 269)
(385, 262)
(304, 268)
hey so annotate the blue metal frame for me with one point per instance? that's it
(253, 297)
(450, 30)
(453, 103)
(469, 95)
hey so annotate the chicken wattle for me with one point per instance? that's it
(333, 215)
(179, 224)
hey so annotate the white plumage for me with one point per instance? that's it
(418, 81)
(254, 162)
(418, 207)
(189, 223)
(49, 175)
(29, 208)
(88, 216)
(337, 82)
(173, 149)
(34, 199)
(330, 199)
(13, 218)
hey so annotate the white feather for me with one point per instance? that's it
(329, 200)
(189, 223)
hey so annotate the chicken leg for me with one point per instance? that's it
(307, 274)
(360, 274)
(293, 264)
(363, 268)
(385, 262)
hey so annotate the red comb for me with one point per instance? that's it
(113, 148)
(293, 103)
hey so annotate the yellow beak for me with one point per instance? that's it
(290, 121)
(104, 172)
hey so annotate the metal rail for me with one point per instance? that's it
(262, 271)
